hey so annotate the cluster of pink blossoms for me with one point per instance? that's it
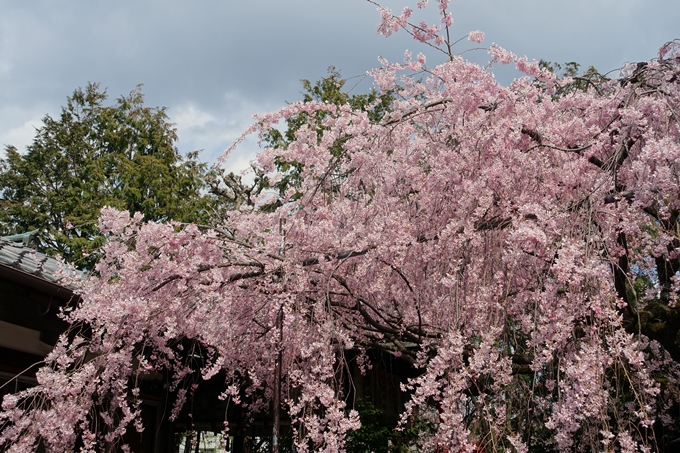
(476, 36)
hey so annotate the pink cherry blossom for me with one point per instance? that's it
(501, 55)
(476, 36)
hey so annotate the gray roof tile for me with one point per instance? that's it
(25, 259)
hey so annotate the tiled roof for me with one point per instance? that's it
(21, 258)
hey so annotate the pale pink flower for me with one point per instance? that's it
(447, 19)
(501, 55)
(530, 68)
(476, 36)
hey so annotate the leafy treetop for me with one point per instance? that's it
(95, 155)
(328, 90)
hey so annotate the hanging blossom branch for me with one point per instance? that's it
(423, 32)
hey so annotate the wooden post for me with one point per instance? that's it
(276, 428)
(187, 441)
(198, 442)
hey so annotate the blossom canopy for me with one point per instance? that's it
(511, 244)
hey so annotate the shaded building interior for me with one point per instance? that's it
(30, 300)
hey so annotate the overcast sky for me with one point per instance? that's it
(213, 63)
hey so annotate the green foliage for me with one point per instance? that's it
(328, 90)
(569, 69)
(93, 156)
(230, 189)
(373, 436)
(580, 81)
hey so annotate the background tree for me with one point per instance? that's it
(572, 79)
(96, 155)
(328, 90)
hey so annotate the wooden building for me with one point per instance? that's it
(30, 300)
